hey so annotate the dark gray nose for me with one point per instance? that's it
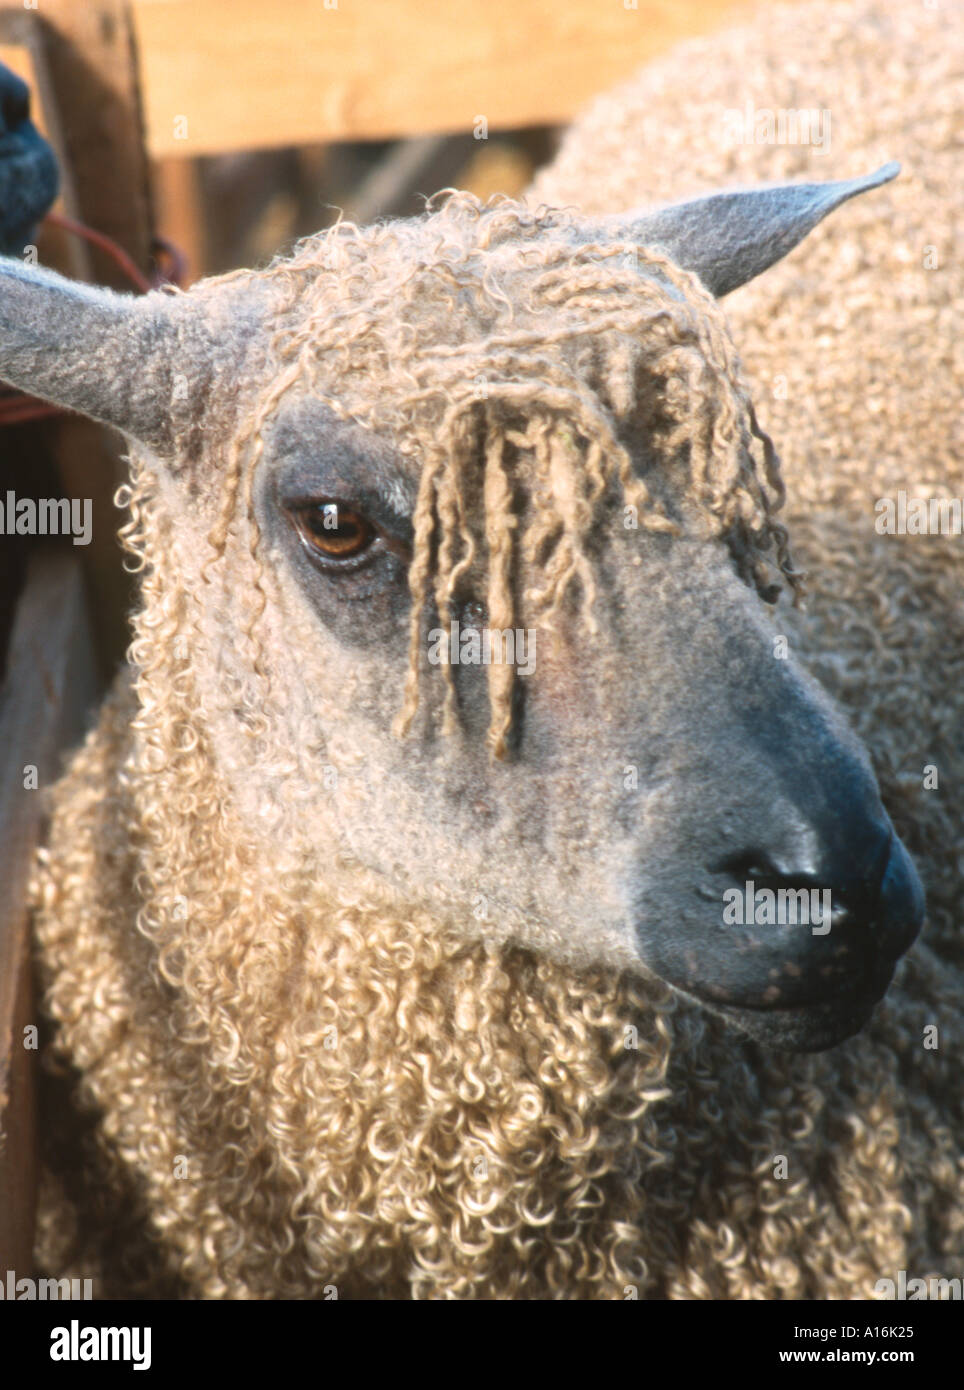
(786, 970)
(791, 989)
(776, 954)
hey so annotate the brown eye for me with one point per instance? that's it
(333, 531)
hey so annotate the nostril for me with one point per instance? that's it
(756, 867)
(754, 863)
(855, 881)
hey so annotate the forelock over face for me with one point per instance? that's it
(480, 330)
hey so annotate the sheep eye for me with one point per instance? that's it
(332, 531)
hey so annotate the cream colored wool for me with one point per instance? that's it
(481, 1129)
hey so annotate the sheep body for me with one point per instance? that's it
(487, 1122)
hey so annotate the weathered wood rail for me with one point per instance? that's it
(49, 689)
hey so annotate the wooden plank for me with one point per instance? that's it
(219, 75)
(18, 1106)
(89, 78)
(46, 695)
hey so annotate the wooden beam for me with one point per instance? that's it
(48, 690)
(89, 78)
(219, 75)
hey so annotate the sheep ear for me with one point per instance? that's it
(106, 355)
(729, 238)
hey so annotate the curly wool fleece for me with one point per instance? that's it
(489, 1123)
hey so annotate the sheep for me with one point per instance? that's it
(401, 985)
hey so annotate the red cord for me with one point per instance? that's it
(16, 407)
(117, 253)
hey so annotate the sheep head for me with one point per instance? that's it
(363, 469)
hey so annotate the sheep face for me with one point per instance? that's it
(652, 767)
(378, 462)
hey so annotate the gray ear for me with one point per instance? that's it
(106, 355)
(728, 238)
